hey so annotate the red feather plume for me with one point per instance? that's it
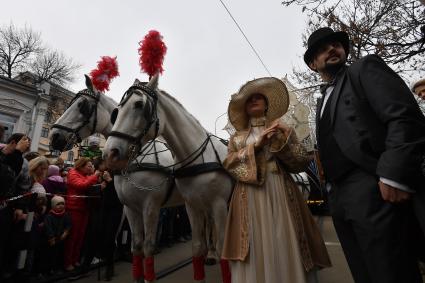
(152, 51)
(107, 69)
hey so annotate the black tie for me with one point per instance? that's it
(325, 86)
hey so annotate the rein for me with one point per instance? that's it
(76, 138)
(140, 89)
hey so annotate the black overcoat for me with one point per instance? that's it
(377, 122)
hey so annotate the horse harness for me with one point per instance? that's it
(152, 100)
(87, 113)
(170, 171)
(151, 115)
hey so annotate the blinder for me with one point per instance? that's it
(149, 111)
(114, 115)
(86, 110)
(84, 107)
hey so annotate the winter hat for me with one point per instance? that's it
(418, 86)
(53, 170)
(93, 141)
(57, 199)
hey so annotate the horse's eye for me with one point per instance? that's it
(138, 104)
(114, 115)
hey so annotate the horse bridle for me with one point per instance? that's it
(152, 96)
(93, 110)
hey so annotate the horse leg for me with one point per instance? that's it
(220, 216)
(199, 247)
(135, 220)
(212, 256)
(151, 223)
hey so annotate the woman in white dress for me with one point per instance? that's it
(271, 237)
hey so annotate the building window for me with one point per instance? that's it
(45, 132)
(70, 155)
(8, 122)
(55, 153)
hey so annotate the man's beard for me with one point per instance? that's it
(333, 68)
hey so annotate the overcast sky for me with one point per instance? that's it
(207, 59)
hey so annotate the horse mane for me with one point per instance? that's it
(162, 92)
(110, 99)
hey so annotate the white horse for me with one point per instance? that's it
(146, 112)
(142, 192)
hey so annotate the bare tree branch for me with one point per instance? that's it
(55, 67)
(22, 50)
(17, 48)
(392, 29)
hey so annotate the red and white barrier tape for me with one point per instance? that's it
(47, 194)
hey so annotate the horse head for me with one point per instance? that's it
(134, 122)
(79, 121)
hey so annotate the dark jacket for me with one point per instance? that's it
(110, 197)
(10, 166)
(55, 224)
(377, 123)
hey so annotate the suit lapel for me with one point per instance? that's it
(336, 93)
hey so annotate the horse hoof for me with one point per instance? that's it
(199, 281)
(146, 281)
(210, 261)
(141, 280)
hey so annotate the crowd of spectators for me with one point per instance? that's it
(56, 220)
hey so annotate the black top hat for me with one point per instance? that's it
(322, 35)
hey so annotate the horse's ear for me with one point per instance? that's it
(136, 81)
(89, 83)
(153, 83)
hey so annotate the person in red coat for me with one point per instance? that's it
(80, 179)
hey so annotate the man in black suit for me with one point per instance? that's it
(371, 139)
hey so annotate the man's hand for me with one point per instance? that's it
(23, 144)
(8, 149)
(392, 194)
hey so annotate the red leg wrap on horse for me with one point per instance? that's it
(149, 269)
(225, 271)
(198, 267)
(137, 267)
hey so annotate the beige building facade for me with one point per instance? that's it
(31, 108)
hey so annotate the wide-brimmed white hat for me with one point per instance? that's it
(418, 86)
(272, 88)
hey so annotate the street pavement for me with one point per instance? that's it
(338, 273)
